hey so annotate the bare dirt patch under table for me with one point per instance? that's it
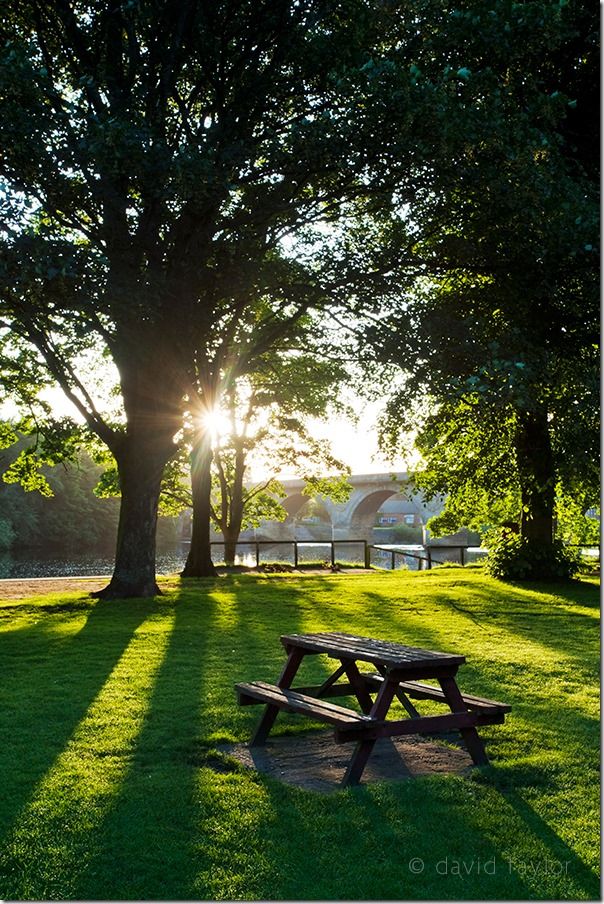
(315, 762)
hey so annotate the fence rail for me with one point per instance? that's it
(296, 544)
(426, 558)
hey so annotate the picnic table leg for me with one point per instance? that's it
(267, 720)
(471, 737)
(402, 697)
(351, 670)
(363, 749)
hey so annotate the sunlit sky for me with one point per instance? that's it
(355, 444)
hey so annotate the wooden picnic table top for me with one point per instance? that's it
(368, 649)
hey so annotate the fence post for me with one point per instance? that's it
(367, 554)
(333, 554)
(461, 555)
(392, 560)
(295, 553)
(257, 554)
(429, 557)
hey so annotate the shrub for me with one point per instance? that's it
(512, 557)
(589, 564)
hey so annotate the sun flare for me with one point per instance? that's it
(217, 422)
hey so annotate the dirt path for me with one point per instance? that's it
(21, 588)
(315, 762)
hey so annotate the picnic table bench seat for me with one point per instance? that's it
(295, 702)
(418, 690)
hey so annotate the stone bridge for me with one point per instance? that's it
(353, 519)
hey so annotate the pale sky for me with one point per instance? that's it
(355, 444)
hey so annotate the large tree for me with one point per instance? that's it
(501, 342)
(155, 154)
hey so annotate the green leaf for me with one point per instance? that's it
(25, 470)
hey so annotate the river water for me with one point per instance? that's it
(37, 564)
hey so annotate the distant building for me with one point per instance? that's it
(400, 510)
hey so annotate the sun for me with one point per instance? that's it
(217, 422)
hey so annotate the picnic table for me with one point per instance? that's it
(399, 672)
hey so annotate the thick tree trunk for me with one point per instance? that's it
(235, 514)
(230, 545)
(537, 476)
(199, 561)
(140, 465)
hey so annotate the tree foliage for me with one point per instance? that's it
(158, 156)
(185, 181)
(56, 508)
(261, 423)
(499, 341)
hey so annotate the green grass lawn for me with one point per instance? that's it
(110, 710)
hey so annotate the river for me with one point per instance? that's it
(38, 564)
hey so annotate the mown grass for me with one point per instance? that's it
(111, 710)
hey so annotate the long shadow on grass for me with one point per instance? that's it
(48, 685)
(168, 834)
(518, 608)
(539, 709)
(571, 638)
(439, 838)
(430, 817)
(139, 850)
(396, 841)
(185, 825)
(562, 860)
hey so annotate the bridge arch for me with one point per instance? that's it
(354, 518)
(362, 517)
(294, 504)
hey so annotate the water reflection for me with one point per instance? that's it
(35, 564)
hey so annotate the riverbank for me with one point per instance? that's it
(23, 588)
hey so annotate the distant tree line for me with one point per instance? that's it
(71, 520)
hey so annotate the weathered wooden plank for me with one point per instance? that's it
(329, 682)
(365, 744)
(360, 690)
(419, 691)
(367, 649)
(288, 673)
(471, 737)
(336, 690)
(292, 701)
(401, 696)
